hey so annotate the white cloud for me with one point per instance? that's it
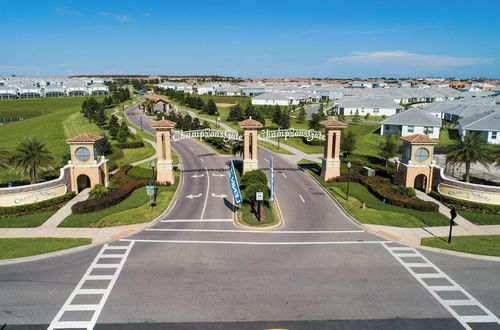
(406, 60)
(119, 18)
(21, 70)
(67, 12)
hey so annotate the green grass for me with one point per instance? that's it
(48, 125)
(362, 117)
(447, 137)
(24, 247)
(480, 218)
(76, 124)
(246, 217)
(488, 245)
(26, 221)
(274, 148)
(135, 154)
(136, 200)
(226, 99)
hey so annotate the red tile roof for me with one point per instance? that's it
(163, 123)
(250, 123)
(419, 138)
(86, 137)
(333, 123)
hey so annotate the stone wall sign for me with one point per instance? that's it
(469, 194)
(32, 196)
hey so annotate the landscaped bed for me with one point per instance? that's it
(11, 248)
(485, 245)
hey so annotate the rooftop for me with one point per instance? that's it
(412, 116)
(250, 123)
(419, 138)
(85, 137)
(333, 123)
(164, 123)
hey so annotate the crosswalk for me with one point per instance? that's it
(83, 307)
(460, 303)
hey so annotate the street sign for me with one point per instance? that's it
(150, 190)
(271, 179)
(235, 187)
(259, 196)
(453, 213)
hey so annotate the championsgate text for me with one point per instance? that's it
(309, 135)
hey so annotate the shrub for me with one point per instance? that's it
(466, 205)
(131, 145)
(383, 190)
(407, 191)
(250, 191)
(99, 190)
(124, 186)
(255, 176)
(46, 205)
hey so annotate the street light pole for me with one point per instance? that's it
(153, 171)
(348, 178)
(141, 122)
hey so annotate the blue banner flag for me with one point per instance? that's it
(235, 187)
(271, 179)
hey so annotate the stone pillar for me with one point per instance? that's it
(164, 166)
(331, 157)
(250, 134)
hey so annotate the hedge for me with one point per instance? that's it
(383, 191)
(46, 205)
(131, 145)
(385, 171)
(124, 186)
(465, 205)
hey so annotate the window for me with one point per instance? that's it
(82, 154)
(387, 127)
(411, 129)
(376, 110)
(494, 135)
(421, 155)
(429, 130)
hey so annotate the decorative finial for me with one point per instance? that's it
(250, 117)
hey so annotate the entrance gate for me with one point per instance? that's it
(331, 157)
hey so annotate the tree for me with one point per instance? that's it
(235, 113)
(348, 142)
(469, 151)
(249, 194)
(4, 159)
(211, 108)
(90, 107)
(100, 117)
(31, 156)
(388, 148)
(237, 148)
(356, 118)
(251, 177)
(149, 106)
(316, 118)
(301, 114)
(123, 133)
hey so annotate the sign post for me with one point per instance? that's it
(259, 197)
(271, 179)
(233, 184)
(150, 191)
(453, 214)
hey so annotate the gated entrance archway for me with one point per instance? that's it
(420, 182)
(82, 182)
(250, 137)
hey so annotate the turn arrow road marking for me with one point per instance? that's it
(219, 175)
(221, 196)
(198, 175)
(191, 196)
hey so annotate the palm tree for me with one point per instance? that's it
(4, 159)
(237, 148)
(149, 106)
(31, 156)
(469, 151)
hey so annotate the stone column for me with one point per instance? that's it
(331, 157)
(250, 134)
(164, 166)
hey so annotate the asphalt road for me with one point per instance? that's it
(195, 270)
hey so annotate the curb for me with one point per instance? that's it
(279, 225)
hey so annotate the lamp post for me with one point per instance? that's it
(141, 122)
(152, 171)
(349, 165)
(218, 122)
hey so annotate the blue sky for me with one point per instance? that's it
(252, 38)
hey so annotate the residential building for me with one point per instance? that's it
(487, 124)
(370, 106)
(412, 121)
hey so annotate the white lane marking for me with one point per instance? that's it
(489, 317)
(218, 175)
(191, 149)
(221, 196)
(202, 160)
(191, 196)
(260, 232)
(267, 160)
(97, 308)
(198, 220)
(206, 195)
(284, 175)
(253, 243)
(198, 176)
(303, 201)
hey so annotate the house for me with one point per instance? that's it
(207, 89)
(54, 91)
(76, 87)
(228, 90)
(8, 92)
(29, 92)
(98, 89)
(253, 90)
(486, 123)
(412, 121)
(370, 106)
(180, 87)
(279, 99)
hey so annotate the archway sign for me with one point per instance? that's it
(250, 137)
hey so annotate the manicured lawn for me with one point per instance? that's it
(485, 245)
(48, 126)
(131, 210)
(226, 99)
(24, 247)
(447, 137)
(132, 155)
(269, 216)
(367, 139)
(297, 143)
(76, 124)
(26, 221)
(274, 148)
(481, 218)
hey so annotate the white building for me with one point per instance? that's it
(98, 89)
(486, 123)
(279, 99)
(8, 92)
(412, 121)
(207, 89)
(370, 106)
(228, 90)
(181, 87)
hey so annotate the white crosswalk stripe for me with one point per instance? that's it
(435, 273)
(107, 251)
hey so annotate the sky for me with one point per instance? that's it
(252, 38)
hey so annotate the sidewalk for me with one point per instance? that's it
(412, 236)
